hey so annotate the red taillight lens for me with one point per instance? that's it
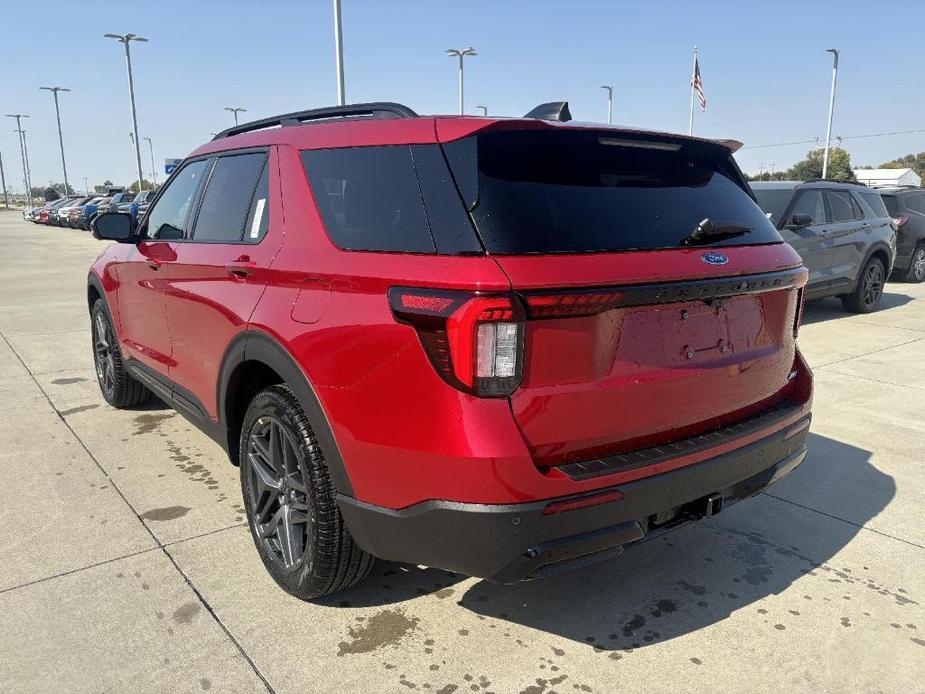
(475, 342)
(572, 304)
(899, 222)
(583, 502)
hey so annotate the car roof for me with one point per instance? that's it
(898, 190)
(789, 185)
(368, 131)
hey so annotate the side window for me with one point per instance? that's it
(227, 199)
(844, 208)
(169, 217)
(916, 203)
(810, 202)
(873, 199)
(258, 218)
(369, 198)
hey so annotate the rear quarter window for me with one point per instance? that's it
(875, 202)
(369, 198)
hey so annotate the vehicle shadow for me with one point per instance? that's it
(700, 574)
(829, 308)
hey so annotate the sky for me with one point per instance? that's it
(764, 66)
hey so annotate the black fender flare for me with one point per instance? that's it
(253, 345)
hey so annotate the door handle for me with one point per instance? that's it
(241, 269)
(153, 264)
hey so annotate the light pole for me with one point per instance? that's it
(22, 153)
(456, 53)
(828, 131)
(235, 111)
(484, 110)
(339, 54)
(25, 149)
(86, 186)
(153, 167)
(126, 39)
(609, 103)
(54, 91)
(6, 199)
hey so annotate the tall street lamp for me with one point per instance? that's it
(484, 110)
(153, 167)
(25, 148)
(456, 53)
(6, 199)
(828, 131)
(54, 91)
(235, 111)
(609, 102)
(22, 153)
(126, 39)
(86, 186)
(339, 54)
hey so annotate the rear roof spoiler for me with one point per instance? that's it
(553, 110)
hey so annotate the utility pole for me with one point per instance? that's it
(6, 198)
(461, 54)
(126, 39)
(54, 91)
(828, 131)
(22, 153)
(339, 54)
(609, 103)
(153, 167)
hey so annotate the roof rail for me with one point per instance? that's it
(378, 109)
(835, 180)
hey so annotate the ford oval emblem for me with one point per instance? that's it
(714, 259)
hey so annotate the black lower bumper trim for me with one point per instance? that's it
(509, 543)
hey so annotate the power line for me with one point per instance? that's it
(837, 137)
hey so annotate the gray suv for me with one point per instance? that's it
(842, 231)
(907, 207)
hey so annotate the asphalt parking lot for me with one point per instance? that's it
(126, 565)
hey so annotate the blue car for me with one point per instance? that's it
(137, 205)
(80, 216)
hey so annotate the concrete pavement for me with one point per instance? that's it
(125, 563)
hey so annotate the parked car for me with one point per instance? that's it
(907, 206)
(840, 230)
(499, 347)
(48, 214)
(91, 209)
(115, 200)
(138, 205)
(77, 213)
(63, 212)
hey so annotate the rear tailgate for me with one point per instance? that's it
(636, 334)
(651, 364)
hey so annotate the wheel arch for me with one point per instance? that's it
(252, 354)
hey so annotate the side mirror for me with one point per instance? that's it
(800, 221)
(113, 226)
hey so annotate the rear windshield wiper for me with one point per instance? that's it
(708, 230)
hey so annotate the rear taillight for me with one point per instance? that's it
(899, 222)
(573, 304)
(798, 317)
(474, 341)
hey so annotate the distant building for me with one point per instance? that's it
(888, 178)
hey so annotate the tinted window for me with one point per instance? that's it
(573, 192)
(369, 198)
(916, 203)
(810, 202)
(843, 208)
(258, 218)
(774, 201)
(892, 204)
(169, 217)
(227, 199)
(873, 199)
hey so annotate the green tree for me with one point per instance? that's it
(48, 193)
(811, 167)
(916, 162)
(145, 185)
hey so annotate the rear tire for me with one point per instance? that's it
(866, 296)
(118, 387)
(291, 509)
(916, 271)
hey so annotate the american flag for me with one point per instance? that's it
(698, 85)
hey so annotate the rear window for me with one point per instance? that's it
(582, 192)
(774, 201)
(369, 198)
(892, 204)
(873, 199)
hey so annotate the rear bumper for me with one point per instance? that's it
(513, 542)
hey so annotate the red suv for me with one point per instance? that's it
(502, 347)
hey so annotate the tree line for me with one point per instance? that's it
(840, 168)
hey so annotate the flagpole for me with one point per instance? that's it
(690, 123)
